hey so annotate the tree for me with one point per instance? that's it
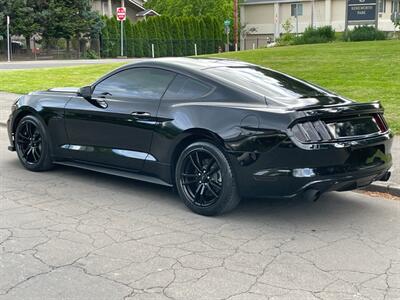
(105, 40)
(23, 17)
(70, 18)
(220, 9)
(113, 33)
(129, 38)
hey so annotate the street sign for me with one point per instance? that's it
(227, 23)
(121, 14)
(361, 11)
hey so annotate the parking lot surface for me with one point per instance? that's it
(74, 234)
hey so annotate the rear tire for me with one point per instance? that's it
(205, 180)
(33, 145)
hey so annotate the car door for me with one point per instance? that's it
(115, 127)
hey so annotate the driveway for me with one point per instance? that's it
(74, 234)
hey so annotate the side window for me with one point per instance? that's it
(185, 88)
(142, 83)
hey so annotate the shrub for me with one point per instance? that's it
(287, 37)
(313, 35)
(91, 54)
(364, 33)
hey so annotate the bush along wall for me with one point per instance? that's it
(313, 35)
(364, 33)
(171, 36)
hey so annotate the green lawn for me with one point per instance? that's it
(25, 81)
(363, 71)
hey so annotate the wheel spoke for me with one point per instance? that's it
(215, 184)
(197, 191)
(27, 151)
(210, 163)
(189, 175)
(34, 155)
(212, 191)
(194, 164)
(21, 136)
(189, 182)
(199, 162)
(29, 129)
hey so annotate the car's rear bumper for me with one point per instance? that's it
(288, 170)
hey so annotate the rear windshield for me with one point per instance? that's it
(272, 85)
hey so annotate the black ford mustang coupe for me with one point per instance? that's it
(217, 130)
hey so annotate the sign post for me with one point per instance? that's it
(8, 40)
(121, 16)
(227, 26)
(361, 12)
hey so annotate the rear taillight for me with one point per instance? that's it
(343, 128)
(380, 121)
(311, 132)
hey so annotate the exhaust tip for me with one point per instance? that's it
(311, 195)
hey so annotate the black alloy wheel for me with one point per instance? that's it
(205, 180)
(31, 144)
(201, 178)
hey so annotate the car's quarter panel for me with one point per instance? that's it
(233, 125)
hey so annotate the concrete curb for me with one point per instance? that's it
(384, 187)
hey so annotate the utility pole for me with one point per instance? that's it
(8, 40)
(236, 22)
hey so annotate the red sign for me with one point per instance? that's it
(121, 13)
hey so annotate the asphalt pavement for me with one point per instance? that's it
(74, 234)
(37, 64)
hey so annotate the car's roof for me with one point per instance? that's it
(195, 64)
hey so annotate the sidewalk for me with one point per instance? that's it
(6, 99)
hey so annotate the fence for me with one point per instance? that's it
(256, 42)
(107, 48)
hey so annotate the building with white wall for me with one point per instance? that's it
(265, 17)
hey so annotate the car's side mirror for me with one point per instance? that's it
(85, 92)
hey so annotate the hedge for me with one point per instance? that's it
(171, 36)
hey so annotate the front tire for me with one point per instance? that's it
(205, 180)
(32, 144)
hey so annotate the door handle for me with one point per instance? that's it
(99, 102)
(141, 114)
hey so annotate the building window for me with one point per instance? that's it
(382, 6)
(297, 9)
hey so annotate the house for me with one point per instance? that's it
(134, 8)
(264, 19)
